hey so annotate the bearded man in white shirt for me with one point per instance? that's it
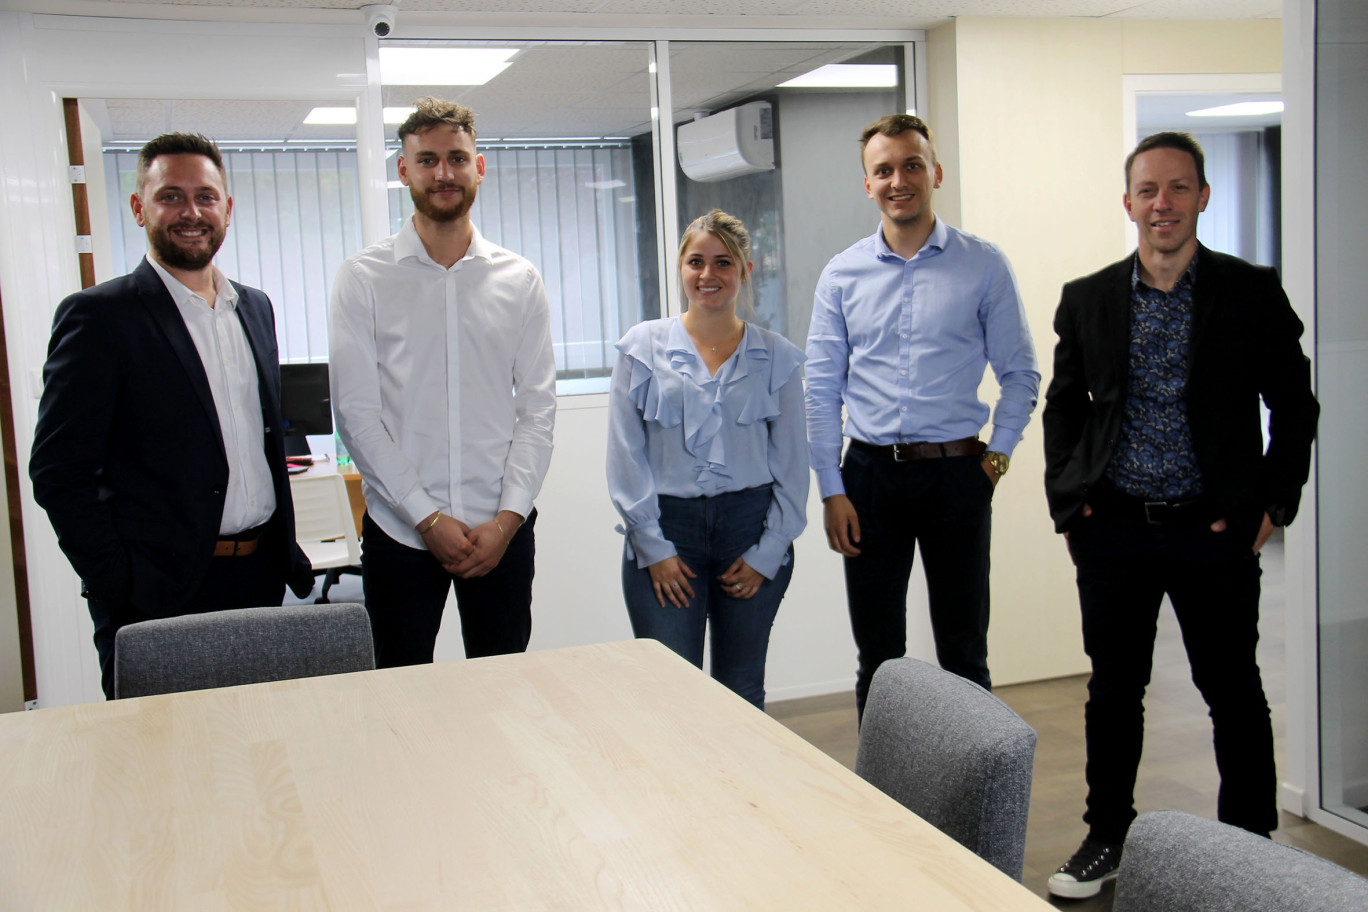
(443, 385)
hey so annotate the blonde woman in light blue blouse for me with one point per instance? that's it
(707, 464)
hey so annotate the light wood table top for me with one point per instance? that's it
(614, 776)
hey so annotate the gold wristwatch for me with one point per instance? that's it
(998, 461)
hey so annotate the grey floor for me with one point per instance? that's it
(1178, 769)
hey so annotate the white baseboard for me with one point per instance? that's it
(1292, 798)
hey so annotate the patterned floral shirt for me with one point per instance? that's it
(1153, 457)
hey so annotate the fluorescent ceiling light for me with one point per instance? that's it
(442, 66)
(1240, 109)
(846, 76)
(331, 116)
(343, 116)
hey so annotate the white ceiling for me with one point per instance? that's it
(591, 89)
(1169, 112)
(909, 13)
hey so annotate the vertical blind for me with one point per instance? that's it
(296, 218)
(572, 213)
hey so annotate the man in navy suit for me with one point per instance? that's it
(159, 454)
(1157, 473)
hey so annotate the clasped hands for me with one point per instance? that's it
(670, 579)
(465, 552)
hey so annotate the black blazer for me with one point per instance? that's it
(1244, 346)
(128, 460)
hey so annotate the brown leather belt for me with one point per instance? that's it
(907, 452)
(230, 548)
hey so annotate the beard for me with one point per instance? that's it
(171, 254)
(423, 203)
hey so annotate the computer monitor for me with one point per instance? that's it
(305, 402)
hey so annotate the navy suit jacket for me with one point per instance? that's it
(1244, 347)
(128, 459)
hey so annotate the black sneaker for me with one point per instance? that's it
(1082, 876)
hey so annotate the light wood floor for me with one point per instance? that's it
(1178, 769)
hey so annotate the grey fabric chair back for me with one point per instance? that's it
(1175, 862)
(953, 754)
(246, 646)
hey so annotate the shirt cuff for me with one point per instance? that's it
(515, 500)
(829, 482)
(1004, 441)
(417, 507)
(764, 561)
(650, 545)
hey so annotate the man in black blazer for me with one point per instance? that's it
(1158, 476)
(158, 453)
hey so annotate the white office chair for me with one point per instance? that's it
(324, 527)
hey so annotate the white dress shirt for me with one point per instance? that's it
(232, 371)
(443, 381)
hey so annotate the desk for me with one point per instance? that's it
(600, 777)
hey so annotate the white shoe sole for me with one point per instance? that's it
(1073, 889)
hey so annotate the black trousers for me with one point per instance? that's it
(406, 591)
(1125, 567)
(944, 507)
(253, 581)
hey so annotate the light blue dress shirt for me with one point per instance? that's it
(675, 430)
(903, 344)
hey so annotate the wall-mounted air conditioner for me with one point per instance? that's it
(736, 141)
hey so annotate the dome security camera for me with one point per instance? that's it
(380, 18)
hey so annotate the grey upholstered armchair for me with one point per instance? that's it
(952, 753)
(1175, 862)
(245, 646)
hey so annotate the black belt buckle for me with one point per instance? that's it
(899, 449)
(1157, 512)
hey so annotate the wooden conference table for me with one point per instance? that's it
(601, 777)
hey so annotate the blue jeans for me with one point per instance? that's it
(710, 533)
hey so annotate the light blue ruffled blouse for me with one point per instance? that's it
(675, 430)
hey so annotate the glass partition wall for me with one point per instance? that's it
(581, 177)
(1342, 375)
(574, 150)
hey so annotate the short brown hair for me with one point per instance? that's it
(1170, 139)
(896, 125)
(179, 144)
(432, 112)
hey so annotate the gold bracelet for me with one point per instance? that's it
(428, 528)
(500, 527)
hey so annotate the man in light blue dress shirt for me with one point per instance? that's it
(903, 325)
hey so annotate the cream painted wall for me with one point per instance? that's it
(1033, 131)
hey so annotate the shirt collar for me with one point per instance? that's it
(407, 244)
(935, 241)
(1189, 276)
(227, 294)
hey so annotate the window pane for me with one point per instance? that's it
(811, 205)
(565, 130)
(296, 211)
